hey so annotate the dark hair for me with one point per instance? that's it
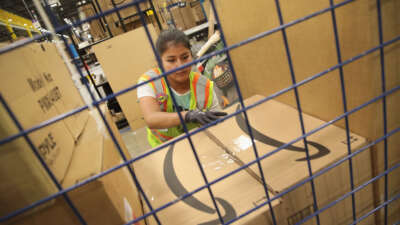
(171, 35)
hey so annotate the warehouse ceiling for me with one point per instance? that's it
(25, 8)
(17, 7)
(20, 7)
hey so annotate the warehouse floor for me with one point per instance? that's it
(135, 141)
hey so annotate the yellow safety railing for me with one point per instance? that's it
(10, 20)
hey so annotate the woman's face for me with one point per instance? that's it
(176, 55)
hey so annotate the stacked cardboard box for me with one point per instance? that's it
(126, 14)
(173, 171)
(183, 17)
(198, 12)
(37, 87)
(112, 199)
(124, 59)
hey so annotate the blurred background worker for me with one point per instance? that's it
(193, 92)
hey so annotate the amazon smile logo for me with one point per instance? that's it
(322, 150)
(179, 190)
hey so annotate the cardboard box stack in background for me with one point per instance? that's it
(183, 17)
(127, 14)
(37, 87)
(124, 59)
(96, 30)
(111, 199)
(197, 12)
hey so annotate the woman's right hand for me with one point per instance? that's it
(197, 116)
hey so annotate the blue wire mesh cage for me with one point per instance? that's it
(353, 84)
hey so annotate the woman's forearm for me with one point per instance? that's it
(163, 120)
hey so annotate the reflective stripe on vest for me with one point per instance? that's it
(145, 77)
(160, 136)
(203, 84)
(159, 86)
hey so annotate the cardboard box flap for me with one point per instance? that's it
(87, 158)
(172, 172)
(274, 124)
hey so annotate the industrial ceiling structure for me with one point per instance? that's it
(26, 9)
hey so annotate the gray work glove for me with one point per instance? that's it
(197, 116)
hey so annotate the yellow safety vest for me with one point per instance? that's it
(201, 97)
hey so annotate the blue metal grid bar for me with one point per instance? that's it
(207, 56)
(303, 136)
(296, 94)
(326, 169)
(383, 80)
(59, 29)
(241, 101)
(229, 174)
(211, 124)
(344, 99)
(117, 145)
(352, 192)
(41, 160)
(181, 119)
(192, 132)
(385, 204)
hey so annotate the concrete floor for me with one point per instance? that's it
(135, 141)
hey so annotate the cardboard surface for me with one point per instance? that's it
(97, 148)
(357, 27)
(88, 148)
(172, 172)
(71, 98)
(91, 201)
(112, 199)
(275, 124)
(128, 204)
(37, 87)
(42, 82)
(183, 17)
(124, 59)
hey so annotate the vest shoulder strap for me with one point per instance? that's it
(158, 85)
(203, 90)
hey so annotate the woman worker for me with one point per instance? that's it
(193, 92)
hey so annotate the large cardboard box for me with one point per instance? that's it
(112, 199)
(124, 59)
(312, 54)
(37, 87)
(173, 171)
(274, 124)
